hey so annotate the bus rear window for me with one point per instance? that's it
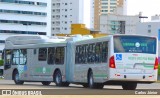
(134, 44)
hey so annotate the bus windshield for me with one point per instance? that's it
(134, 44)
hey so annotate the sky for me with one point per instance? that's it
(147, 7)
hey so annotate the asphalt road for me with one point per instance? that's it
(78, 89)
(9, 84)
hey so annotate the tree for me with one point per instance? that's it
(1, 62)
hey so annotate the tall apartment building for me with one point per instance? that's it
(23, 17)
(104, 7)
(67, 12)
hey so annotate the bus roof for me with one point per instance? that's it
(33, 39)
(133, 35)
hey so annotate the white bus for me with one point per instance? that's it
(35, 58)
(115, 59)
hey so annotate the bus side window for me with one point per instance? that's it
(91, 53)
(23, 56)
(85, 54)
(51, 55)
(98, 52)
(80, 55)
(76, 55)
(59, 57)
(8, 55)
(15, 57)
(42, 54)
(104, 51)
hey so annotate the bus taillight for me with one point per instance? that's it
(112, 62)
(156, 64)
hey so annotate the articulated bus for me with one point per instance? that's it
(94, 62)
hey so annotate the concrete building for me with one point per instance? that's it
(110, 6)
(67, 12)
(156, 17)
(104, 7)
(151, 28)
(118, 24)
(24, 17)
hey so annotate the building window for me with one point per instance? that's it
(25, 2)
(149, 31)
(22, 32)
(149, 26)
(23, 22)
(23, 12)
(65, 9)
(42, 54)
(65, 3)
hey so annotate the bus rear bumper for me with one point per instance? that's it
(139, 78)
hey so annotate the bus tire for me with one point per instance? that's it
(129, 86)
(58, 78)
(99, 86)
(16, 78)
(85, 85)
(91, 83)
(66, 84)
(46, 83)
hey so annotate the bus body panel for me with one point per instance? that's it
(79, 72)
(134, 66)
(129, 66)
(33, 70)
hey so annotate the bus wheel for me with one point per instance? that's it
(58, 78)
(85, 85)
(16, 78)
(91, 83)
(46, 83)
(99, 86)
(66, 84)
(129, 86)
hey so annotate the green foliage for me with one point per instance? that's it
(1, 62)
